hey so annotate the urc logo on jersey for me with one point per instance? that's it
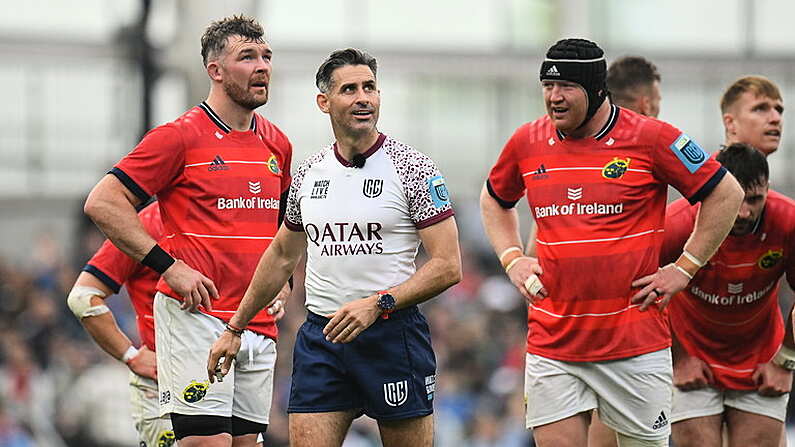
(346, 238)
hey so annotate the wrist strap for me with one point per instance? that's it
(235, 331)
(684, 272)
(785, 358)
(507, 251)
(512, 263)
(129, 354)
(693, 259)
(158, 259)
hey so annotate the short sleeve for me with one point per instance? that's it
(292, 213)
(426, 190)
(505, 183)
(154, 164)
(680, 162)
(111, 266)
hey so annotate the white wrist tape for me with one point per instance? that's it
(693, 259)
(533, 284)
(509, 250)
(129, 354)
(513, 263)
(785, 358)
(684, 272)
(79, 302)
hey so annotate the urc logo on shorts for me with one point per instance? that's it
(195, 391)
(166, 439)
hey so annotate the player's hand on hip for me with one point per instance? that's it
(691, 373)
(279, 305)
(222, 352)
(194, 288)
(772, 380)
(351, 320)
(144, 363)
(659, 287)
(525, 274)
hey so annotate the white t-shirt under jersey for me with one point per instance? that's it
(361, 223)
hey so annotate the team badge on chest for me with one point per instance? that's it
(769, 260)
(616, 168)
(372, 187)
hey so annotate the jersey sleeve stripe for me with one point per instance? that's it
(704, 191)
(292, 226)
(102, 276)
(435, 219)
(503, 203)
(130, 184)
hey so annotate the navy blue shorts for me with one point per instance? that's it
(387, 372)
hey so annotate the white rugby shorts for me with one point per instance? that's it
(711, 401)
(153, 429)
(183, 345)
(633, 395)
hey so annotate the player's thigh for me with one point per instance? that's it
(393, 364)
(326, 429)
(698, 431)
(253, 381)
(599, 434)
(634, 393)
(554, 394)
(153, 429)
(321, 382)
(753, 419)
(697, 417)
(568, 432)
(412, 432)
(183, 343)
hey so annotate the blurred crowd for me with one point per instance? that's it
(57, 388)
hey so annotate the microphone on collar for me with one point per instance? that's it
(358, 161)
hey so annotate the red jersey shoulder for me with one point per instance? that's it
(640, 129)
(781, 205)
(780, 213)
(193, 124)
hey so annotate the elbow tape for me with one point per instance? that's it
(79, 302)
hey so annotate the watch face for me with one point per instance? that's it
(386, 302)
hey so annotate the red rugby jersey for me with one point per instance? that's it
(114, 268)
(599, 204)
(219, 192)
(728, 315)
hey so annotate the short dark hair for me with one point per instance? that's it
(341, 58)
(215, 36)
(747, 165)
(758, 85)
(627, 74)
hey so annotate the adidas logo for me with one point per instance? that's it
(218, 164)
(541, 170)
(553, 71)
(661, 422)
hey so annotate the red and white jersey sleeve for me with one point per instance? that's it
(599, 206)
(115, 269)
(729, 315)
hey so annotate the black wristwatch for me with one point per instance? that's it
(386, 302)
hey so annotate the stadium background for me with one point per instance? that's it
(82, 80)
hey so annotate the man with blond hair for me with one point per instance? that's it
(752, 110)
